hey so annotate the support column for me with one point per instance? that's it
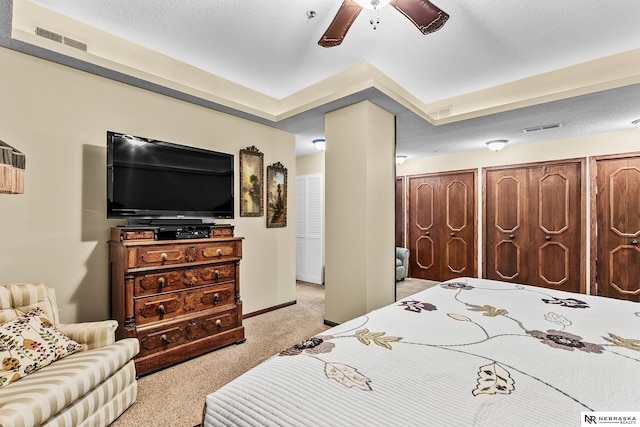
(359, 211)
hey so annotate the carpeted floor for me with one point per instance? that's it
(175, 396)
(410, 286)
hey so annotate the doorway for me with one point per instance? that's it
(309, 236)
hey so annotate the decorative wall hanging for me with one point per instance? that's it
(251, 182)
(12, 165)
(276, 195)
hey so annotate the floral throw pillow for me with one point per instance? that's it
(28, 343)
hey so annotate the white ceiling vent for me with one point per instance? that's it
(59, 38)
(543, 127)
(49, 35)
(441, 113)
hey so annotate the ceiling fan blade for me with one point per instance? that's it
(348, 12)
(424, 15)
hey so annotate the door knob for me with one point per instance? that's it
(547, 237)
(634, 242)
(453, 234)
(512, 236)
(426, 233)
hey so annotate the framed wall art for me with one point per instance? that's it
(276, 195)
(251, 182)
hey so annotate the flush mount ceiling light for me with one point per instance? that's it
(496, 144)
(636, 123)
(400, 159)
(320, 144)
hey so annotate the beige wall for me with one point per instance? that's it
(554, 149)
(310, 164)
(359, 211)
(57, 232)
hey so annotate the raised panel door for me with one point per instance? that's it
(459, 236)
(423, 236)
(506, 230)
(533, 225)
(618, 228)
(400, 210)
(556, 214)
(441, 225)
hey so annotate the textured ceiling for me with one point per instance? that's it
(270, 47)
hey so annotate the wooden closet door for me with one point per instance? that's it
(506, 225)
(533, 225)
(441, 226)
(618, 228)
(400, 221)
(555, 236)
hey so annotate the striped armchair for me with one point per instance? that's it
(90, 387)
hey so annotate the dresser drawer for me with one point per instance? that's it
(164, 255)
(174, 334)
(167, 306)
(183, 277)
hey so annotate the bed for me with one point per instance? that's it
(467, 352)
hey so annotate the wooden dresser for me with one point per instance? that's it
(180, 298)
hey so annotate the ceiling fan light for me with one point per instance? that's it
(496, 144)
(400, 159)
(372, 4)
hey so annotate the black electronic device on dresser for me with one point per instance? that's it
(172, 232)
(156, 182)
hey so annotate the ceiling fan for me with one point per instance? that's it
(424, 15)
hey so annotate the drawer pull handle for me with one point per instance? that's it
(512, 236)
(218, 251)
(165, 339)
(216, 274)
(547, 238)
(452, 234)
(216, 298)
(219, 323)
(161, 309)
(162, 282)
(163, 256)
(634, 242)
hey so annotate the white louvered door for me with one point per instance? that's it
(309, 228)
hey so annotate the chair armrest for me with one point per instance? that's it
(403, 255)
(91, 334)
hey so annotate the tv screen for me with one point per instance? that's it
(150, 179)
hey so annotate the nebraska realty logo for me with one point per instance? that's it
(609, 418)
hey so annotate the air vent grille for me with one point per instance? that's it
(441, 113)
(49, 35)
(75, 44)
(59, 38)
(543, 127)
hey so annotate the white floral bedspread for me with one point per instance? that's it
(468, 352)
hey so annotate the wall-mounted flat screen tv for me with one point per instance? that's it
(157, 180)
